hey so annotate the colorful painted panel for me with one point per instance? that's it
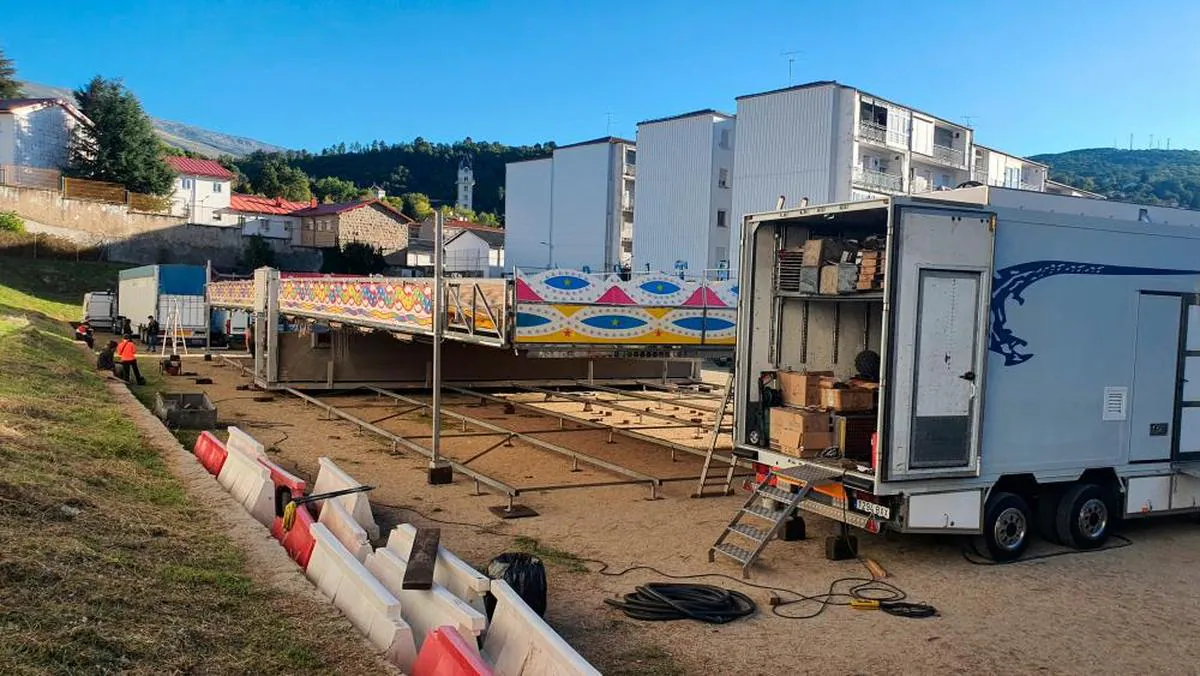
(232, 294)
(567, 306)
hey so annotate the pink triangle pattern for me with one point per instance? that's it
(615, 296)
(526, 294)
(704, 297)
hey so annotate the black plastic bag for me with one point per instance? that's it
(525, 573)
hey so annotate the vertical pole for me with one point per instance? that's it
(207, 311)
(439, 471)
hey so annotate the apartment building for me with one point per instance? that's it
(827, 142)
(684, 201)
(573, 209)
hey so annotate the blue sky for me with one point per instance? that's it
(1032, 76)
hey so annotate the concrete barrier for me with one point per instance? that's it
(445, 653)
(298, 542)
(245, 443)
(249, 483)
(210, 452)
(425, 609)
(520, 642)
(451, 572)
(331, 478)
(347, 531)
(366, 603)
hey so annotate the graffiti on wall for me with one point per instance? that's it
(567, 306)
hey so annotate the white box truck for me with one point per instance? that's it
(1039, 362)
(161, 291)
(99, 310)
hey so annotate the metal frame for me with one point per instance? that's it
(645, 397)
(616, 406)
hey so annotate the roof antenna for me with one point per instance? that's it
(791, 57)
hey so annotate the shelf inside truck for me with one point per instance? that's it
(874, 296)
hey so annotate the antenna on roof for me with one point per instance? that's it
(608, 124)
(791, 58)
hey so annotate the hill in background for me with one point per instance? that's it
(1164, 177)
(177, 134)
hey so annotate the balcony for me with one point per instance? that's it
(882, 135)
(627, 202)
(951, 156)
(879, 181)
(1031, 186)
(980, 176)
(629, 170)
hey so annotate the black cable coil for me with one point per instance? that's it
(661, 601)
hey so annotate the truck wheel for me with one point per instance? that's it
(1006, 526)
(1084, 516)
(1046, 515)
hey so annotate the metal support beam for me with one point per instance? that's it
(570, 396)
(634, 395)
(401, 441)
(534, 441)
(677, 389)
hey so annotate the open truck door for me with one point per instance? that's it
(939, 288)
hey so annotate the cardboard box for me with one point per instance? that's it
(794, 430)
(839, 278)
(801, 388)
(847, 399)
(810, 445)
(808, 279)
(818, 251)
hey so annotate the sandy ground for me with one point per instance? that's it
(1121, 610)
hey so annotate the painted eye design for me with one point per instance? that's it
(659, 287)
(567, 282)
(617, 322)
(703, 323)
(526, 319)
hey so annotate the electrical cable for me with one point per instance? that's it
(973, 556)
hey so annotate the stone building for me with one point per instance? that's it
(368, 221)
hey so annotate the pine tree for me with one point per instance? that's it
(10, 87)
(121, 145)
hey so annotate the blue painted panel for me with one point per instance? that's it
(615, 322)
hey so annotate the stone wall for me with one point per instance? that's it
(375, 225)
(132, 237)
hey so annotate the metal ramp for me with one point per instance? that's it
(807, 476)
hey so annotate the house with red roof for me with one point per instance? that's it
(270, 217)
(369, 221)
(202, 191)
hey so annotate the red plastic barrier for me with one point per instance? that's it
(283, 479)
(446, 653)
(298, 541)
(210, 452)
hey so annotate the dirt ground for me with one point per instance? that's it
(1119, 610)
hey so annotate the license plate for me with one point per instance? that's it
(873, 508)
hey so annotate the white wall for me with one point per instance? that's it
(582, 208)
(266, 225)
(203, 200)
(527, 207)
(36, 137)
(467, 252)
(785, 146)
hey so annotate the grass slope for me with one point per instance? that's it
(105, 564)
(53, 288)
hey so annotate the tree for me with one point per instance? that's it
(332, 189)
(355, 258)
(120, 146)
(278, 179)
(417, 206)
(10, 87)
(258, 253)
(487, 218)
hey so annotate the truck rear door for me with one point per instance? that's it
(938, 288)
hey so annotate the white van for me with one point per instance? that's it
(98, 307)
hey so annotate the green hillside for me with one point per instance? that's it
(1165, 177)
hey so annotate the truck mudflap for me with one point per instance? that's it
(842, 503)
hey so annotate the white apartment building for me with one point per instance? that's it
(573, 209)
(37, 132)
(202, 191)
(828, 142)
(684, 200)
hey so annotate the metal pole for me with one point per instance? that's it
(439, 471)
(207, 311)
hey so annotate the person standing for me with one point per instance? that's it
(151, 332)
(127, 358)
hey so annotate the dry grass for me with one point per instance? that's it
(105, 564)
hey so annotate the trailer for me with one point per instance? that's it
(1039, 362)
(162, 291)
(99, 309)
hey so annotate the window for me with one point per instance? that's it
(216, 186)
(630, 156)
(722, 221)
(724, 142)
(185, 183)
(216, 215)
(722, 178)
(241, 220)
(943, 137)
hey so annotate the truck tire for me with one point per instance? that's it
(1007, 526)
(1046, 514)
(1085, 516)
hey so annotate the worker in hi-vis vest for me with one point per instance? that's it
(126, 357)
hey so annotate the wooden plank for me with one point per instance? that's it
(421, 559)
(877, 571)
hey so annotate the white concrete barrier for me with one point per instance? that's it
(249, 482)
(347, 531)
(451, 572)
(245, 443)
(331, 478)
(520, 642)
(368, 605)
(425, 609)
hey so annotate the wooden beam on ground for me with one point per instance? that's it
(422, 558)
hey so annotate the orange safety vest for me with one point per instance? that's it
(126, 351)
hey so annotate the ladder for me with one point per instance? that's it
(786, 504)
(705, 481)
(173, 331)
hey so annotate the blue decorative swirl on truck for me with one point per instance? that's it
(1011, 282)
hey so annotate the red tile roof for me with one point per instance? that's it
(193, 167)
(257, 204)
(343, 207)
